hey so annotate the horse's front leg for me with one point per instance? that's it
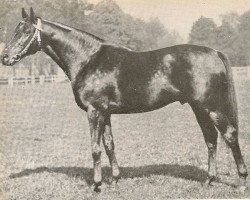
(96, 123)
(109, 148)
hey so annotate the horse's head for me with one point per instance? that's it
(26, 39)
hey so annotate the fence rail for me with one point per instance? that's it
(11, 81)
(239, 73)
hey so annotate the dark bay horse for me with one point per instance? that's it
(107, 79)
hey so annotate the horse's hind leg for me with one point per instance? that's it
(109, 148)
(210, 135)
(230, 134)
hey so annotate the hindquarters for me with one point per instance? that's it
(217, 107)
(230, 104)
(213, 87)
(207, 81)
(214, 93)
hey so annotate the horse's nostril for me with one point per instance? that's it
(17, 57)
(5, 55)
(5, 58)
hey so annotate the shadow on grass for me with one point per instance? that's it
(187, 172)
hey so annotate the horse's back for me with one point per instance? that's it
(179, 73)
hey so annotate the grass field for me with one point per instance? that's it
(46, 154)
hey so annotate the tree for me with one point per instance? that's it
(203, 32)
(111, 23)
(244, 38)
(230, 37)
(226, 41)
(231, 18)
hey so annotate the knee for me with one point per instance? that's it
(96, 152)
(108, 142)
(211, 147)
(92, 113)
(231, 135)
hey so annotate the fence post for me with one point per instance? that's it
(41, 79)
(10, 81)
(26, 80)
(32, 80)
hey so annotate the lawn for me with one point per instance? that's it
(45, 150)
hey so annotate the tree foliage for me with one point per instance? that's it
(106, 20)
(231, 37)
(203, 32)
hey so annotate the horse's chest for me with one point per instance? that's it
(97, 89)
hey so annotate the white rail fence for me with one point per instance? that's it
(239, 73)
(11, 81)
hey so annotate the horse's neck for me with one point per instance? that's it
(68, 47)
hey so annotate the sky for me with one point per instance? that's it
(179, 15)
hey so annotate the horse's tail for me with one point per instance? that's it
(230, 105)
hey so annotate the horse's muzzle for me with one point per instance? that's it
(6, 60)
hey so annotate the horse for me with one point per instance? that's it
(107, 79)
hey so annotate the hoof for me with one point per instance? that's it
(97, 187)
(210, 180)
(241, 189)
(114, 180)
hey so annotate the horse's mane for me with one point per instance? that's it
(78, 34)
(73, 30)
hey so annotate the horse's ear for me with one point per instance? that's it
(25, 15)
(32, 16)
